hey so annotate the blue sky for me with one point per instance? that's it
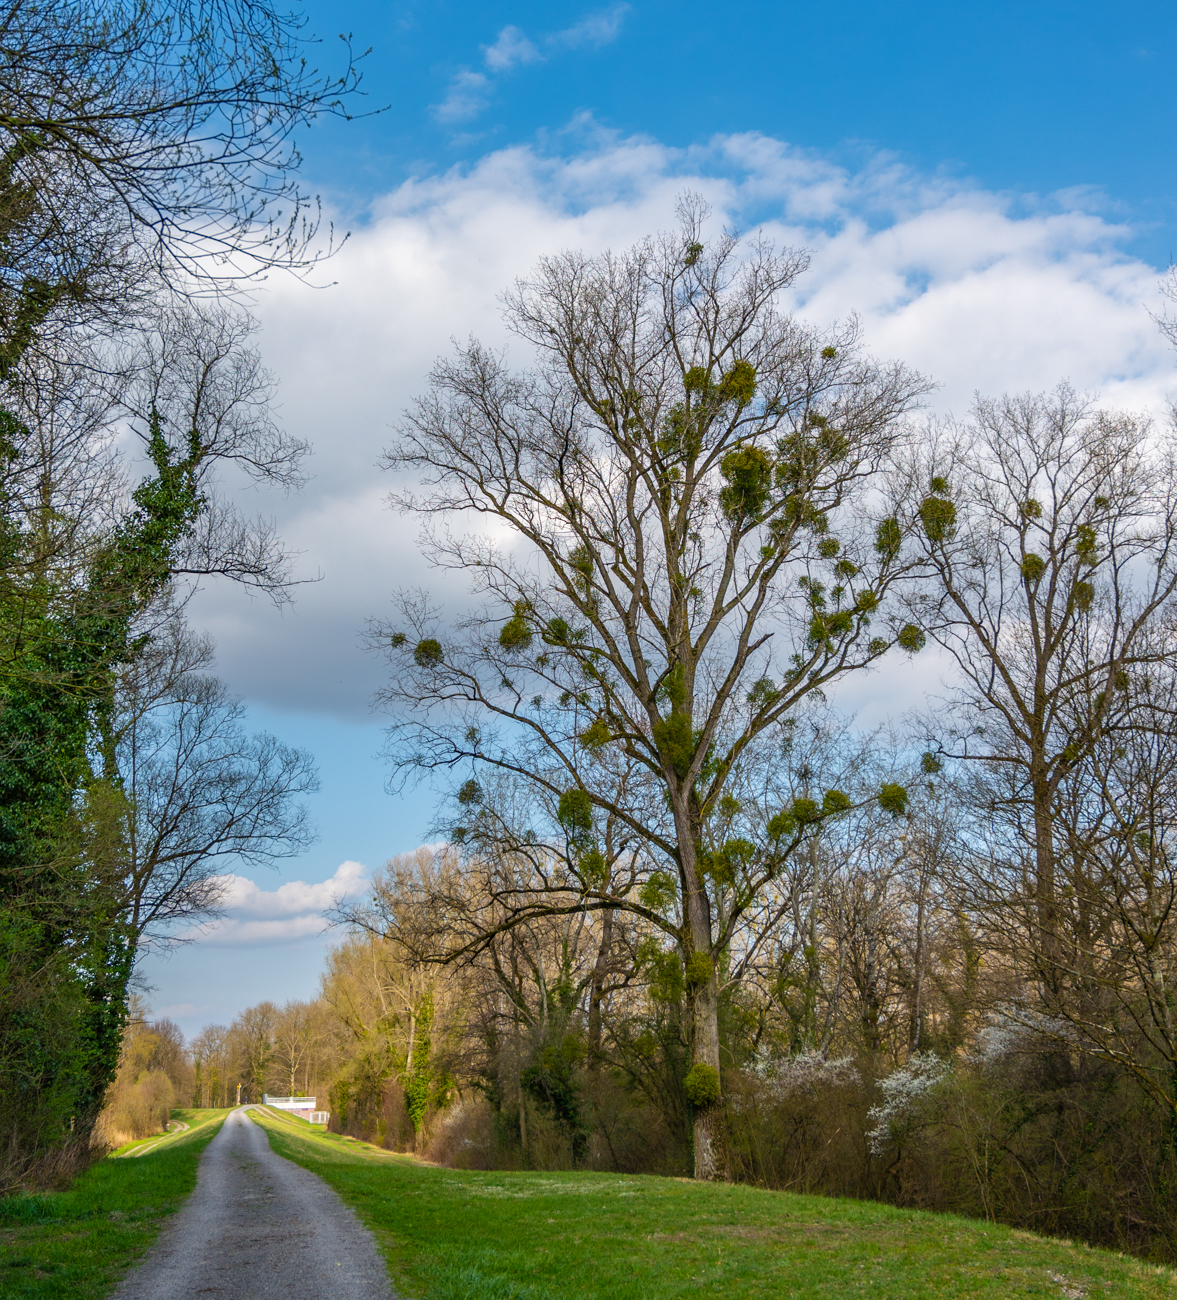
(992, 188)
(1033, 97)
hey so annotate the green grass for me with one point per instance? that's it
(456, 1235)
(77, 1244)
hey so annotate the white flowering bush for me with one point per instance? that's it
(811, 1070)
(1013, 1030)
(779, 1079)
(904, 1093)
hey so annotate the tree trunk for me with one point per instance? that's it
(599, 971)
(1046, 904)
(710, 1126)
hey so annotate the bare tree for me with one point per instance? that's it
(1050, 530)
(682, 477)
(1110, 963)
(201, 792)
(195, 373)
(155, 135)
(296, 1035)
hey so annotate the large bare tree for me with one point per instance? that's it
(678, 550)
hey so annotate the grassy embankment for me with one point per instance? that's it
(456, 1235)
(76, 1244)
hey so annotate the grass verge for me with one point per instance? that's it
(77, 1244)
(457, 1235)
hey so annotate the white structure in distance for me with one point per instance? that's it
(303, 1107)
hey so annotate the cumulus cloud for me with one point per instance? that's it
(510, 49)
(979, 290)
(597, 29)
(256, 917)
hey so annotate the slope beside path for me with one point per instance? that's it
(258, 1227)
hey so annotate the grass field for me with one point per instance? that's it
(455, 1235)
(76, 1244)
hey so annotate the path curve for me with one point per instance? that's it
(175, 1127)
(259, 1227)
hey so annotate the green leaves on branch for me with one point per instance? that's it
(804, 812)
(738, 384)
(674, 736)
(911, 639)
(428, 653)
(748, 474)
(724, 863)
(676, 741)
(557, 632)
(938, 516)
(596, 735)
(515, 633)
(764, 694)
(594, 869)
(893, 799)
(888, 538)
(702, 1085)
(1085, 548)
(658, 892)
(1033, 567)
(827, 628)
(735, 385)
(699, 969)
(575, 812)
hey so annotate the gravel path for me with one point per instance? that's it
(258, 1227)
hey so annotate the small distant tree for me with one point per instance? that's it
(252, 1036)
(296, 1035)
(681, 488)
(212, 1063)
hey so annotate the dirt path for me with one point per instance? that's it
(258, 1227)
(175, 1127)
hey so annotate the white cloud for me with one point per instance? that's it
(296, 910)
(177, 1009)
(597, 29)
(468, 94)
(979, 290)
(511, 48)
